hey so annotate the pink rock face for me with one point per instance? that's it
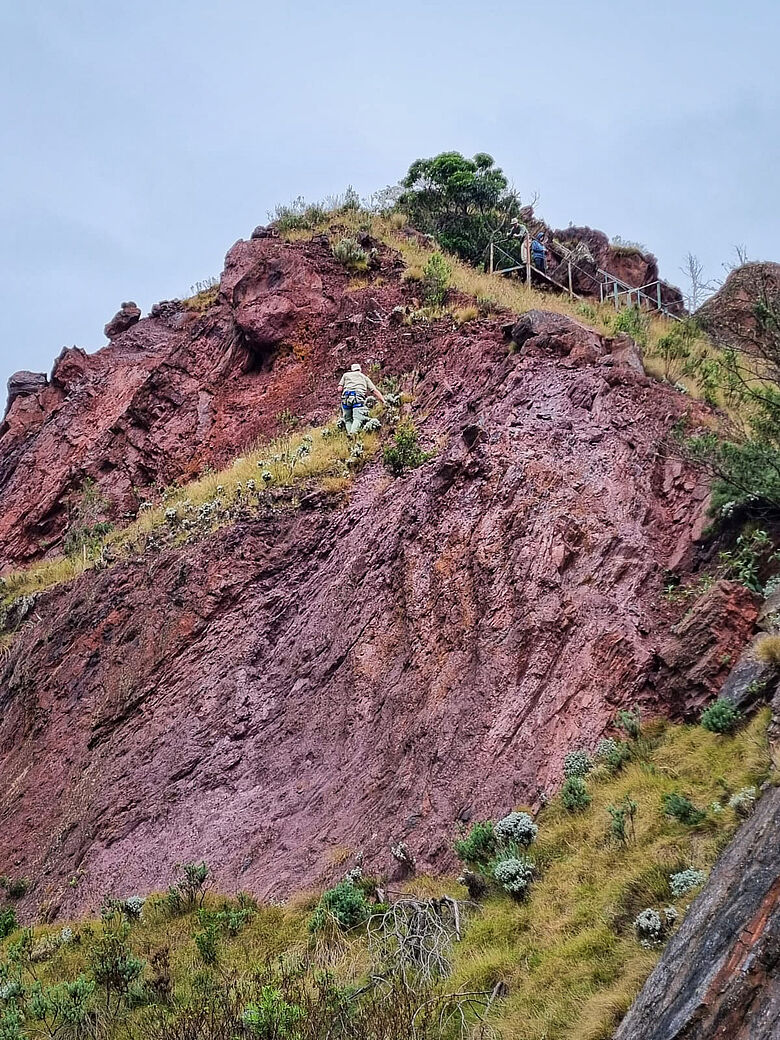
(309, 681)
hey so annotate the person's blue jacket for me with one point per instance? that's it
(537, 248)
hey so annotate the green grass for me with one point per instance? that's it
(568, 953)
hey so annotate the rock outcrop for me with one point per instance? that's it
(127, 316)
(310, 684)
(729, 316)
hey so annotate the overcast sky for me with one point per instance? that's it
(139, 140)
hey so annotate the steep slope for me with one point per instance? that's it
(312, 683)
(719, 978)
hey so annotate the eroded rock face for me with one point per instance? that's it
(336, 676)
(719, 977)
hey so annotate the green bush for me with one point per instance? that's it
(436, 280)
(577, 763)
(348, 252)
(612, 753)
(345, 904)
(272, 1017)
(743, 563)
(189, 891)
(8, 921)
(720, 717)
(480, 845)
(630, 721)
(113, 963)
(682, 809)
(574, 794)
(207, 942)
(634, 323)
(514, 875)
(622, 816)
(406, 452)
(62, 1008)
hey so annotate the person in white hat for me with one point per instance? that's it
(354, 387)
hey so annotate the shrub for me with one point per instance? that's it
(436, 280)
(744, 801)
(207, 942)
(768, 650)
(744, 561)
(652, 928)
(113, 963)
(272, 1016)
(15, 888)
(720, 717)
(405, 453)
(574, 794)
(348, 252)
(8, 921)
(634, 323)
(63, 1008)
(514, 875)
(577, 763)
(682, 809)
(518, 828)
(630, 721)
(685, 881)
(189, 891)
(345, 904)
(612, 753)
(299, 216)
(621, 826)
(480, 846)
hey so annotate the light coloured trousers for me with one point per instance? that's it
(354, 416)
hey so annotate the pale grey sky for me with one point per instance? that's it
(139, 140)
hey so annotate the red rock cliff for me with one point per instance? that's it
(315, 680)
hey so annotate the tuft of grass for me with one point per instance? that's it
(768, 650)
(465, 314)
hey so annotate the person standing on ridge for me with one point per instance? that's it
(538, 254)
(354, 387)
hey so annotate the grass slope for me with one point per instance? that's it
(568, 953)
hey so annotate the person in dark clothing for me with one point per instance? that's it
(539, 255)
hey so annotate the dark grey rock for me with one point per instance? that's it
(749, 681)
(22, 384)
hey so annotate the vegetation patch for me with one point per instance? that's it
(569, 924)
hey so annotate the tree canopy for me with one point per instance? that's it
(459, 201)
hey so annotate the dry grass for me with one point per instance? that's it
(768, 650)
(327, 461)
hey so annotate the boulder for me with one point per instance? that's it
(273, 295)
(544, 330)
(729, 316)
(127, 315)
(749, 680)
